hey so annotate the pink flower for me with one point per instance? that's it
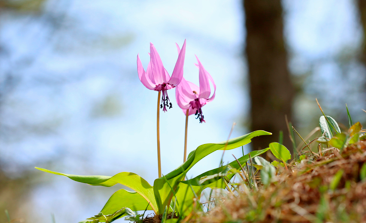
(191, 97)
(157, 77)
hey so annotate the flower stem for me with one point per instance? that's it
(185, 138)
(158, 134)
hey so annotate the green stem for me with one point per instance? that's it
(158, 134)
(185, 138)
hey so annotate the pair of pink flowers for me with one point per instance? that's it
(189, 96)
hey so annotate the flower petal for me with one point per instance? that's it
(178, 48)
(188, 88)
(182, 100)
(214, 85)
(177, 74)
(140, 68)
(195, 90)
(143, 76)
(205, 78)
(157, 68)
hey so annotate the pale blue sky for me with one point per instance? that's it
(85, 71)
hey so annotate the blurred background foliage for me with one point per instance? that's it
(70, 99)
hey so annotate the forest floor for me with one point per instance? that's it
(327, 186)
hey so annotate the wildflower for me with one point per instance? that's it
(192, 98)
(157, 77)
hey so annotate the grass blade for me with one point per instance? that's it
(304, 141)
(163, 219)
(253, 175)
(336, 179)
(350, 123)
(7, 215)
(292, 137)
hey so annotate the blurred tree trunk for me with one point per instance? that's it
(271, 89)
(361, 6)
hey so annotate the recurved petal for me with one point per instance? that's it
(205, 79)
(214, 85)
(178, 48)
(177, 74)
(145, 80)
(144, 76)
(140, 68)
(157, 67)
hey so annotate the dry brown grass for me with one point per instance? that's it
(303, 193)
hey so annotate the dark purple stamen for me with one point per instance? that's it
(165, 99)
(197, 105)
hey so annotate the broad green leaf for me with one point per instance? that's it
(355, 129)
(211, 176)
(333, 124)
(163, 193)
(280, 151)
(263, 162)
(267, 172)
(124, 199)
(327, 124)
(354, 139)
(336, 179)
(213, 179)
(106, 218)
(338, 141)
(128, 179)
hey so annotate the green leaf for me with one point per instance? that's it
(128, 179)
(363, 137)
(132, 216)
(162, 191)
(268, 171)
(363, 172)
(211, 176)
(280, 151)
(338, 141)
(353, 139)
(123, 198)
(350, 123)
(105, 218)
(277, 164)
(336, 179)
(355, 129)
(326, 124)
(322, 139)
(213, 179)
